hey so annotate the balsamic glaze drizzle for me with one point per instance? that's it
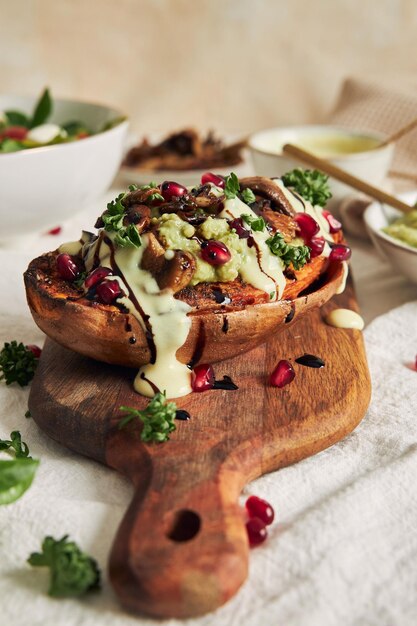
(227, 384)
(310, 360)
(182, 415)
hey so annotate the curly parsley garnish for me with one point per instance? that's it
(113, 222)
(16, 475)
(17, 364)
(158, 418)
(256, 223)
(297, 255)
(72, 572)
(312, 185)
(232, 189)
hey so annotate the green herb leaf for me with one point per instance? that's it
(248, 196)
(297, 255)
(128, 236)
(79, 282)
(153, 197)
(15, 443)
(312, 185)
(72, 572)
(158, 418)
(16, 477)
(133, 187)
(231, 186)
(256, 223)
(43, 109)
(17, 364)
(28, 414)
(11, 145)
(113, 222)
(17, 118)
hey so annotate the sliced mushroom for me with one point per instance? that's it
(153, 256)
(266, 188)
(139, 196)
(280, 222)
(177, 272)
(174, 273)
(138, 214)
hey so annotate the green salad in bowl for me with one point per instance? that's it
(20, 130)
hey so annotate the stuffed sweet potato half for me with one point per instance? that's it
(177, 276)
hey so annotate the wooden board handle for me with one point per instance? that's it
(182, 548)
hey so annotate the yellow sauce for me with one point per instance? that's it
(344, 318)
(331, 146)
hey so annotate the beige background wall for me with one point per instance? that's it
(232, 65)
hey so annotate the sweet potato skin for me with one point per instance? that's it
(245, 318)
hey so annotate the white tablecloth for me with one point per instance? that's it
(344, 547)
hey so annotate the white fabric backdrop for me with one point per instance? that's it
(344, 547)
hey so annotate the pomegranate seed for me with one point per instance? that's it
(334, 224)
(108, 291)
(415, 362)
(316, 245)
(82, 135)
(340, 253)
(203, 378)
(257, 532)
(97, 276)
(282, 375)
(257, 507)
(66, 266)
(241, 231)
(170, 190)
(15, 132)
(54, 231)
(36, 351)
(307, 226)
(209, 177)
(215, 252)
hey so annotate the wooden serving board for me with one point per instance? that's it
(182, 548)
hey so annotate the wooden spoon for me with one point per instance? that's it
(345, 177)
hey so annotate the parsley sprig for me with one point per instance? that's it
(158, 418)
(256, 223)
(312, 185)
(72, 572)
(17, 364)
(16, 475)
(297, 255)
(113, 222)
(232, 189)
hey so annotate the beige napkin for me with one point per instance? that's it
(385, 109)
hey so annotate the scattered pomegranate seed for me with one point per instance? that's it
(54, 231)
(307, 226)
(14, 132)
(215, 252)
(415, 362)
(203, 378)
(82, 135)
(209, 177)
(316, 245)
(340, 253)
(66, 266)
(334, 224)
(257, 532)
(257, 507)
(241, 231)
(36, 351)
(170, 190)
(108, 291)
(282, 375)
(97, 276)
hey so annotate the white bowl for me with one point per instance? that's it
(41, 187)
(370, 164)
(402, 256)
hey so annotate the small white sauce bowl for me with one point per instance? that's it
(371, 164)
(401, 256)
(42, 187)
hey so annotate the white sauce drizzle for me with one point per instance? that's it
(342, 285)
(266, 272)
(344, 318)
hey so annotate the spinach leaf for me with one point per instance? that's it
(43, 109)
(17, 118)
(16, 477)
